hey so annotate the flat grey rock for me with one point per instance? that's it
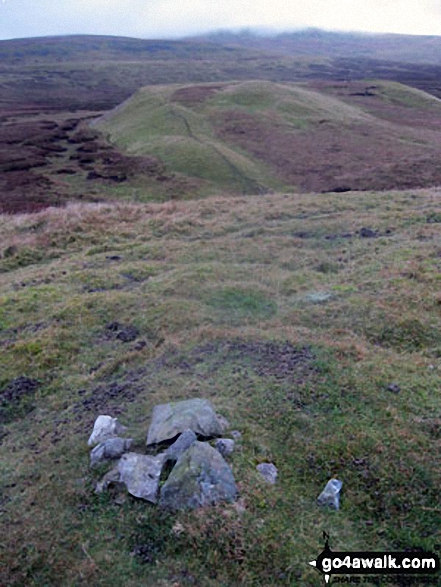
(105, 427)
(225, 446)
(330, 496)
(319, 297)
(268, 472)
(112, 448)
(201, 477)
(169, 420)
(140, 474)
(183, 443)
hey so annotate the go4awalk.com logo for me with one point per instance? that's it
(412, 568)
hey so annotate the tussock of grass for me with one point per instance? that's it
(222, 292)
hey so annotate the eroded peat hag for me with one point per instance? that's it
(217, 141)
(52, 158)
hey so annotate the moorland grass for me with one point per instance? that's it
(216, 288)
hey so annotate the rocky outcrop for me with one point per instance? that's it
(185, 440)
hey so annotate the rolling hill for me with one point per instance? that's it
(169, 250)
(255, 136)
(96, 72)
(48, 85)
(376, 46)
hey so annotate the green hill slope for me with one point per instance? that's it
(312, 322)
(256, 136)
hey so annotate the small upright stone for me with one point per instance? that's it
(268, 472)
(105, 427)
(330, 496)
(225, 446)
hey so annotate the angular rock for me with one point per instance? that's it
(268, 472)
(113, 448)
(97, 455)
(200, 477)
(330, 496)
(109, 478)
(236, 434)
(184, 442)
(169, 420)
(105, 427)
(140, 474)
(225, 446)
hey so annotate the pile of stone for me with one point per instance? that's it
(187, 474)
(183, 470)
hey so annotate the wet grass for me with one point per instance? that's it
(318, 340)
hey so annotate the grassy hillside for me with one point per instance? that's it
(255, 136)
(311, 321)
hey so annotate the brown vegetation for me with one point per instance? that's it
(35, 154)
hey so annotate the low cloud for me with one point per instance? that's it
(162, 18)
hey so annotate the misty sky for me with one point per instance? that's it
(175, 18)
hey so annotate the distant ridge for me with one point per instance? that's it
(104, 48)
(386, 46)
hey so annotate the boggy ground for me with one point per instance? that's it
(312, 322)
(48, 83)
(51, 158)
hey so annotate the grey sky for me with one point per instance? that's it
(174, 18)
